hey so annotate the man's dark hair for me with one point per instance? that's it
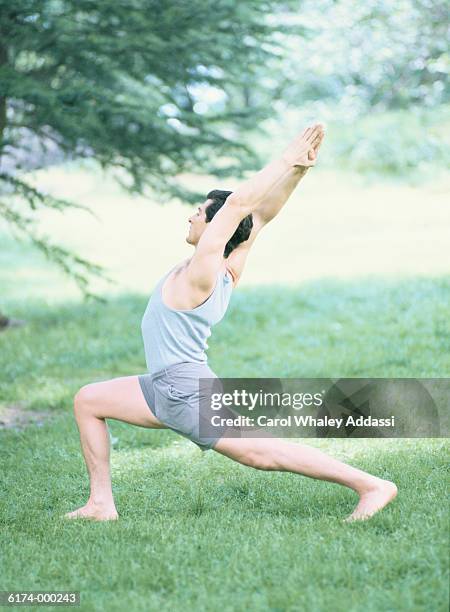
(243, 230)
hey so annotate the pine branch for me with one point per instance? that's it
(34, 197)
(74, 266)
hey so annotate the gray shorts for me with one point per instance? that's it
(173, 396)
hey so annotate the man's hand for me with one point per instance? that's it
(302, 151)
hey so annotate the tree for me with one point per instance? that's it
(118, 82)
(375, 55)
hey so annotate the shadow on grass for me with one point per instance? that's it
(195, 485)
(371, 327)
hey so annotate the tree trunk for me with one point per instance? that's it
(4, 321)
(247, 96)
(3, 61)
(2, 120)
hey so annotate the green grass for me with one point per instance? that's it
(201, 533)
(197, 531)
(326, 328)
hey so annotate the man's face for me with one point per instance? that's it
(197, 223)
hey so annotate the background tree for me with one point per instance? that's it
(370, 56)
(369, 69)
(118, 82)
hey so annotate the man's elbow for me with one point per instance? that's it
(239, 204)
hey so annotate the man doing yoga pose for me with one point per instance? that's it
(186, 302)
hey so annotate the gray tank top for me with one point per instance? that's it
(173, 336)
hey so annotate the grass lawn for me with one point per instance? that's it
(197, 531)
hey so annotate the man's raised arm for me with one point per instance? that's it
(208, 257)
(300, 154)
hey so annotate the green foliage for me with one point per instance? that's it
(152, 89)
(372, 55)
(412, 144)
(115, 82)
(409, 145)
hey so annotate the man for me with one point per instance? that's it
(187, 301)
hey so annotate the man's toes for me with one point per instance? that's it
(71, 515)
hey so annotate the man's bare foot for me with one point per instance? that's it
(373, 500)
(95, 512)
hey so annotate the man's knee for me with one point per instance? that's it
(85, 398)
(260, 459)
(259, 453)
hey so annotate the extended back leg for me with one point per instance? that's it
(276, 454)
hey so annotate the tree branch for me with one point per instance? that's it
(34, 196)
(71, 264)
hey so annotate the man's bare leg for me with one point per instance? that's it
(275, 454)
(120, 399)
